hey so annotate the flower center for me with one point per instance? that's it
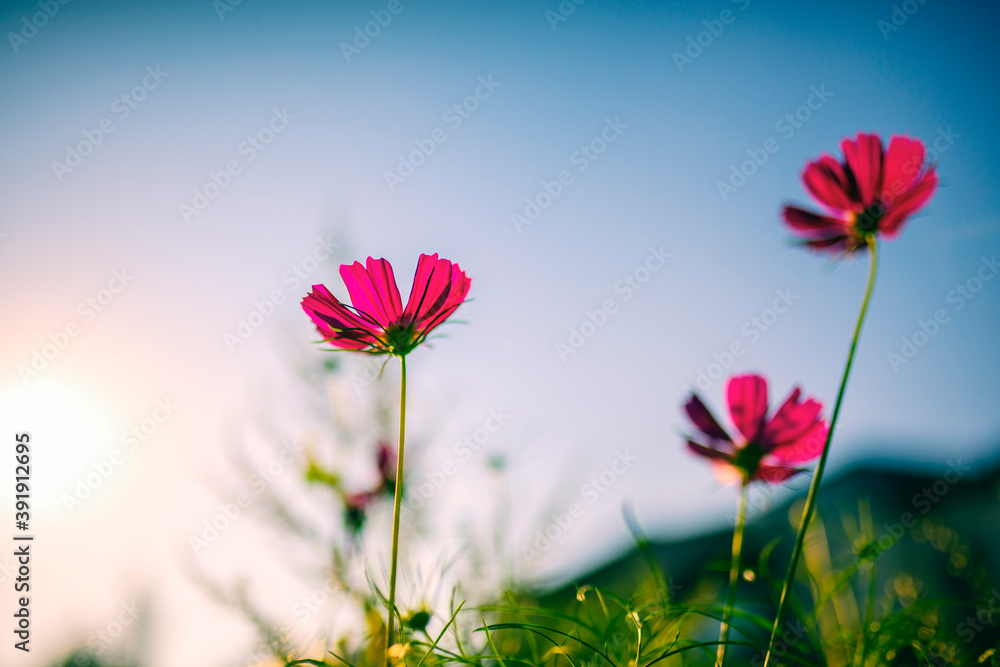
(748, 458)
(867, 222)
(398, 340)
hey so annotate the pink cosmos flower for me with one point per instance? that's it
(356, 504)
(376, 321)
(873, 191)
(356, 510)
(387, 465)
(770, 446)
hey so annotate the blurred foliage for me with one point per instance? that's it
(870, 593)
(82, 658)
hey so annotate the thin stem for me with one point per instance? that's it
(638, 636)
(862, 649)
(818, 475)
(734, 574)
(397, 502)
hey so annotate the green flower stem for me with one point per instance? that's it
(818, 475)
(862, 649)
(734, 574)
(397, 502)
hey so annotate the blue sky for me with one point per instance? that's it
(229, 78)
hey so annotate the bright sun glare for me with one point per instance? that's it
(71, 431)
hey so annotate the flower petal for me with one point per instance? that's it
(385, 287)
(336, 323)
(864, 160)
(802, 220)
(439, 288)
(708, 452)
(775, 474)
(458, 290)
(373, 290)
(904, 160)
(804, 448)
(424, 284)
(828, 184)
(790, 421)
(703, 419)
(747, 395)
(908, 204)
(833, 244)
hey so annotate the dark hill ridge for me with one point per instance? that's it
(935, 513)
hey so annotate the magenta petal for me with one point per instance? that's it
(790, 421)
(439, 288)
(804, 448)
(448, 302)
(832, 244)
(370, 292)
(904, 161)
(800, 219)
(775, 474)
(703, 419)
(336, 322)
(708, 452)
(908, 204)
(380, 272)
(826, 181)
(747, 396)
(327, 312)
(422, 293)
(864, 159)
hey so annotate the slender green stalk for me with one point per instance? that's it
(862, 650)
(397, 502)
(818, 475)
(734, 574)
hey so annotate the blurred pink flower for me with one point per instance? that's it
(873, 191)
(360, 501)
(357, 504)
(386, 459)
(376, 322)
(770, 447)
